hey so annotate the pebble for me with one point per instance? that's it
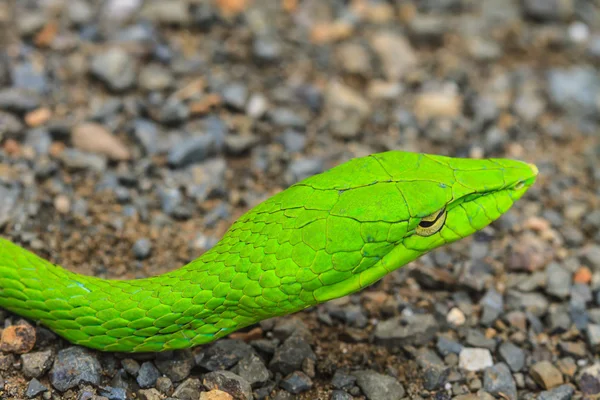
(155, 77)
(149, 394)
(147, 375)
(546, 374)
(558, 281)
(343, 380)
(115, 68)
(474, 359)
(18, 339)
(142, 248)
(188, 390)
(215, 395)
(191, 150)
(35, 388)
(95, 138)
(223, 354)
(416, 329)
(303, 168)
(498, 381)
(74, 366)
(252, 369)
(36, 364)
(235, 95)
(588, 380)
(291, 354)
(340, 395)
(176, 365)
(574, 89)
(297, 382)
(395, 53)
(562, 392)
(112, 393)
(18, 100)
(376, 386)
(228, 382)
(512, 355)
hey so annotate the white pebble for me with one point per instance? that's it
(475, 359)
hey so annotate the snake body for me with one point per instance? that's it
(327, 236)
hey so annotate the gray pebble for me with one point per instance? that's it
(155, 77)
(416, 329)
(493, 306)
(113, 393)
(223, 354)
(189, 390)
(266, 48)
(147, 375)
(558, 280)
(36, 364)
(35, 388)
(164, 385)
(73, 366)
(146, 133)
(562, 392)
(131, 366)
(447, 346)
(18, 101)
(476, 338)
(290, 355)
(28, 24)
(75, 160)
(340, 395)
(252, 369)
(175, 364)
(142, 248)
(172, 112)
(80, 13)
(115, 68)
(590, 256)
(228, 382)
(343, 380)
(293, 141)
(548, 10)
(498, 380)
(535, 303)
(297, 382)
(235, 95)
(574, 89)
(512, 355)
(287, 118)
(26, 76)
(377, 386)
(303, 168)
(191, 150)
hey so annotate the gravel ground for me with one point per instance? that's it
(132, 134)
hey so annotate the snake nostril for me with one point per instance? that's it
(520, 185)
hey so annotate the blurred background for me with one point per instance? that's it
(133, 133)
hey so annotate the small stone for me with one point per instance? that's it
(18, 101)
(340, 395)
(562, 392)
(228, 382)
(498, 381)
(546, 374)
(548, 10)
(476, 338)
(447, 346)
(456, 317)
(191, 150)
(36, 364)
(589, 381)
(396, 54)
(35, 388)
(131, 366)
(155, 77)
(168, 12)
(535, 303)
(113, 393)
(73, 366)
(147, 375)
(353, 58)
(164, 385)
(593, 335)
(558, 281)
(142, 248)
(215, 395)
(115, 68)
(95, 138)
(377, 386)
(266, 48)
(177, 365)
(189, 390)
(343, 380)
(149, 394)
(62, 204)
(416, 329)
(297, 382)
(474, 359)
(574, 89)
(290, 355)
(235, 95)
(303, 168)
(512, 355)
(575, 349)
(435, 104)
(80, 13)
(252, 369)
(583, 276)
(292, 141)
(18, 339)
(223, 354)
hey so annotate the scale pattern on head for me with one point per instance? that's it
(327, 236)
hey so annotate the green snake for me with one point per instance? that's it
(327, 236)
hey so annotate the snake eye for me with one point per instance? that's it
(519, 185)
(432, 224)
